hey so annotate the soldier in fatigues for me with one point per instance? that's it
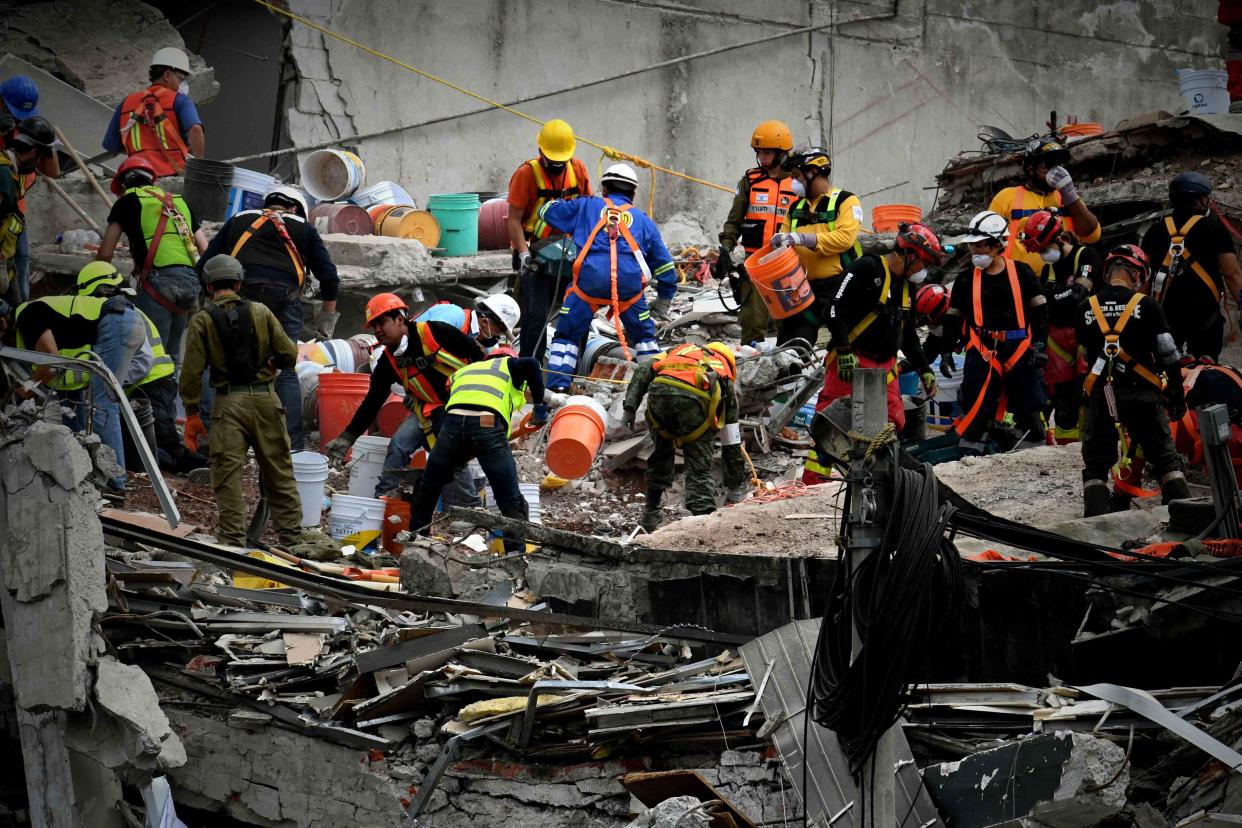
(245, 346)
(691, 401)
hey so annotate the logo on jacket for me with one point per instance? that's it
(611, 215)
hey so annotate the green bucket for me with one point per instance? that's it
(458, 214)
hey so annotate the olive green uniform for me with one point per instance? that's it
(753, 315)
(681, 413)
(244, 416)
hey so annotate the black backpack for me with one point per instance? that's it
(235, 325)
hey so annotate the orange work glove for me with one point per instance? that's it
(194, 429)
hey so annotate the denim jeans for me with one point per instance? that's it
(119, 337)
(409, 438)
(461, 438)
(287, 387)
(170, 325)
(21, 263)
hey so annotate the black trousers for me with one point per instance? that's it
(1141, 412)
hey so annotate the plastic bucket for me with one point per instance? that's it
(385, 192)
(575, 436)
(1083, 130)
(331, 175)
(886, 217)
(349, 219)
(780, 280)
(247, 190)
(392, 413)
(206, 188)
(1205, 91)
(493, 234)
(405, 222)
(351, 515)
(909, 383)
(396, 519)
(339, 397)
(458, 215)
(310, 471)
(367, 465)
(530, 493)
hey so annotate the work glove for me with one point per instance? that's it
(554, 399)
(627, 418)
(723, 267)
(1058, 178)
(846, 363)
(312, 545)
(539, 416)
(662, 307)
(1040, 356)
(520, 260)
(928, 379)
(339, 447)
(947, 365)
(785, 239)
(324, 324)
(194, 430)
(530, 265)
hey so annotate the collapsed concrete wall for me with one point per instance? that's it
(897, 90)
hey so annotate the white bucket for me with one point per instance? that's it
(247, 191)
(351, 515)
(332, 175)
(367, 465)
(310, 471)
(530, 491)
(385, 192)
(1205, 91)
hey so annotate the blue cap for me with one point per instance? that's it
(20, 96)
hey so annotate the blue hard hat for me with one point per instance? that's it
(20, 96)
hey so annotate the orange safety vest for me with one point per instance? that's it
(149, 128)
(433, 358)
(768, 204)
(534, 226)
(686, 368)
(617, 220)
(997, 366)
(299, 267)
(27, 181)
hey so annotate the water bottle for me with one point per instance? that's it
(79, 241)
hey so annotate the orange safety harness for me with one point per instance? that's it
(147, 111)
(996, 366)
(688, 368)
(1178, 256)
(278, 222)
(617, 219)
(433, 358)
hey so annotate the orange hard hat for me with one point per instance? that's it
(773, 135)
(382, 303)
(134, 162)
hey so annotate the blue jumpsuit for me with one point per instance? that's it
(578, 217)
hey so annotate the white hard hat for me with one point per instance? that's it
(289, 194)
(987, 226)
(623, 173)
(505, 308)
(171, 57)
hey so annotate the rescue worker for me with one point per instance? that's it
(691, 400)
(1197, 265)
(277, 246)
(25, 146)
(869, 316)
(482, 400)
(19, 100)
(244, 345)
(619, 252)
(1070, 273)
(555, 175)
(1125, 340)
(420, 357)
(1000, 311)
(1046, 185)
(1206, 383)
(764, 196)
(160, 123)
(822, 228)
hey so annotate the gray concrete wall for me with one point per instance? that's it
(899, 89)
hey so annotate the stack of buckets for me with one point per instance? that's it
(367, 465)
(331, 176)
(575, 436)
(458, 215)
(310, 471)
(886, 217)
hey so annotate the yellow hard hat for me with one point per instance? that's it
(556, 140)
(772, 135)
(96, 275)
(725, 351)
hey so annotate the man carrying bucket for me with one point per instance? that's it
(244, 345)
(619, 252)
(484, 396)
(691, 401)
(869, 316)
(160, 123)
(822, 228)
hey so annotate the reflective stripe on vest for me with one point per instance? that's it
(802, 211)
(161, 364)
(433, 358)
(768, 202)
(1112, 347)
(279, 223)
(149, 127)
(153, 204)
(534, 225)
(86, 307)
(1179, 252)
(487, 384)
(686, 368)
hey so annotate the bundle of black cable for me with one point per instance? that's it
(898, 596)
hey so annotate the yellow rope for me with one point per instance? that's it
(610, 152)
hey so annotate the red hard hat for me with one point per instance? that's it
(1132, 255)
(502, 351)
(382, 303)
(922, 241)
(931, 302)
(134, 162)
(1040, 230)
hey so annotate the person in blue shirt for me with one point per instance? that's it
(160, 122)
(620, 251)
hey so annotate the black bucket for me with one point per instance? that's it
(206, 188)
(145, 415)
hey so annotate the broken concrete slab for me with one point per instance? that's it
(124, 692)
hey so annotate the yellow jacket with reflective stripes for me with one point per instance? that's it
(486, 384)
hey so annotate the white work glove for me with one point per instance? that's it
(1058, 178)
(554, 398)
(784, 239)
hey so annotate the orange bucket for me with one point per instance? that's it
(392, 413)
(396, 519)
(780, 280)
(339, 397)
(886, 217)
(1082, 130)
(575, 436)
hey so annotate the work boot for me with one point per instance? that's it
(737, 494)
(1095, 498)
(311, 544)
(1120, 502)
(200, 476)
(1173, 486)
(652, 515)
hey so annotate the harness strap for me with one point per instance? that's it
(613, 216)
(996, 365)
(270, 215)
(711, 411)
(1112, 336)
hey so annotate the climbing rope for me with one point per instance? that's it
(887, 435)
